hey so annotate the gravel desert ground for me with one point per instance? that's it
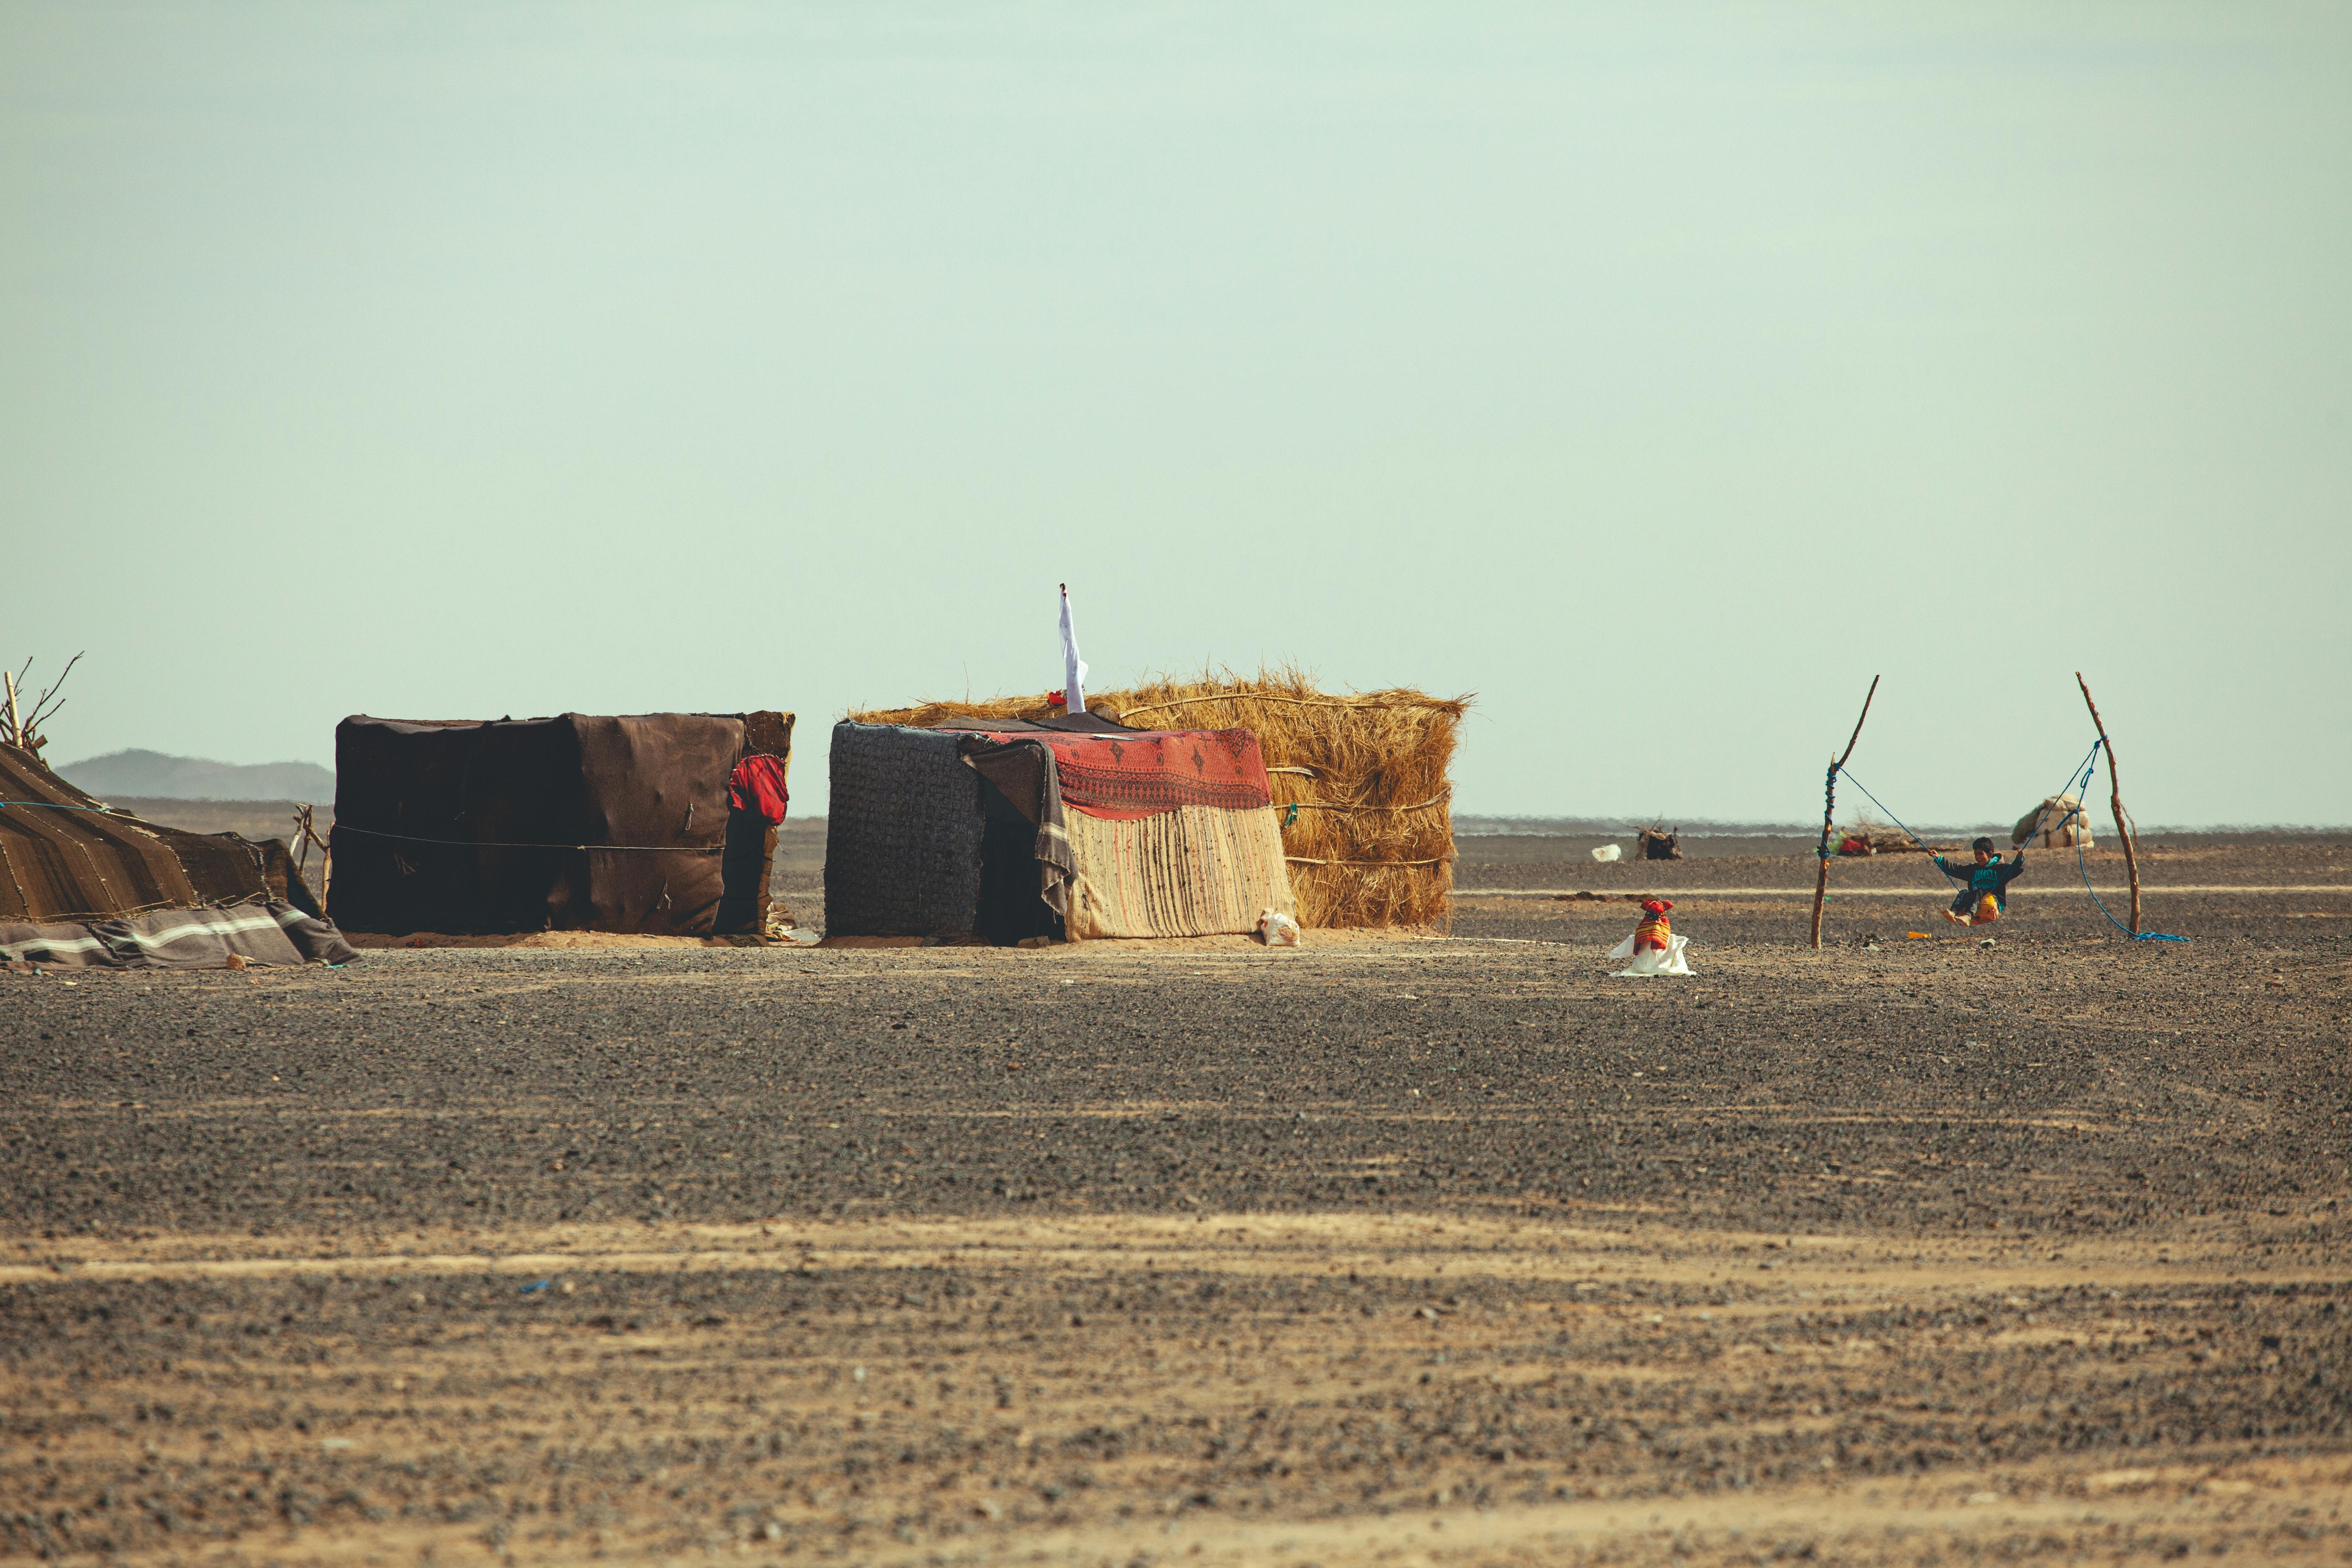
(1445, 1250)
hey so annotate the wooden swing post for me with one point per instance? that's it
(2116, 803)
(1829, 810)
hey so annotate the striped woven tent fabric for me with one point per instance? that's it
(65, 857)
(1195, 870)
(271, 932)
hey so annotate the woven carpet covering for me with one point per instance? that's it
(902, 842)
(1196, 870)
(1122, 776)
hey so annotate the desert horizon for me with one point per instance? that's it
(1001, 679)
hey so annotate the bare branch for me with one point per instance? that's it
(41, 705)
(50, 689)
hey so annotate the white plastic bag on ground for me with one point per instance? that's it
(1278, 929)
(1607, 853)
(1651, 961)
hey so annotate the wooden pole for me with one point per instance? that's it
(16, 730)
(2116, 803)
(1829, 810)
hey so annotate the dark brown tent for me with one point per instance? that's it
(574, 823)
(64, 857)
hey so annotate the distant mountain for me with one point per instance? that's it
(152, 775)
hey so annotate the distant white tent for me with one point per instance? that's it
(2057, 823)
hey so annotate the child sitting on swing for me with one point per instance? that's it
(1983, 897)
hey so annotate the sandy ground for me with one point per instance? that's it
(1427, 1251)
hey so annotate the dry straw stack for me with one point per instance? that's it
(1370, 842)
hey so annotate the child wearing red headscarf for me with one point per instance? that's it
(1653, 947)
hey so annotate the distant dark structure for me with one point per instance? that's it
(1656, 844)
(574, 823)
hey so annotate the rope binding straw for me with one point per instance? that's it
(1297, 805)
(1432, 702)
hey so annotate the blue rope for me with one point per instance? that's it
(54, 805)
(2085, 870)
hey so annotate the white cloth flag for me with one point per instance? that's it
(1073, 669)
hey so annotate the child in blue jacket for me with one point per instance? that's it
(1983, 897)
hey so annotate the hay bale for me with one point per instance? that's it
(1371, 840)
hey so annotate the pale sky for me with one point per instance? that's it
(1659, 377)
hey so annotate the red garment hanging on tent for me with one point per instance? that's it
(758, 784)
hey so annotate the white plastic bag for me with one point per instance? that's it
(1608, 853)
(1278, 929)
(1651, 961)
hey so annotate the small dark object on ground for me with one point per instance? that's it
(1657, 845)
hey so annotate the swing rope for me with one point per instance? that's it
(2085, 870)
(2077, 783)
(1898, 822)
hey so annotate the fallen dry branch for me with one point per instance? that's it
(1885, 841)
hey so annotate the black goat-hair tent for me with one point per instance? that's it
(571, 823)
